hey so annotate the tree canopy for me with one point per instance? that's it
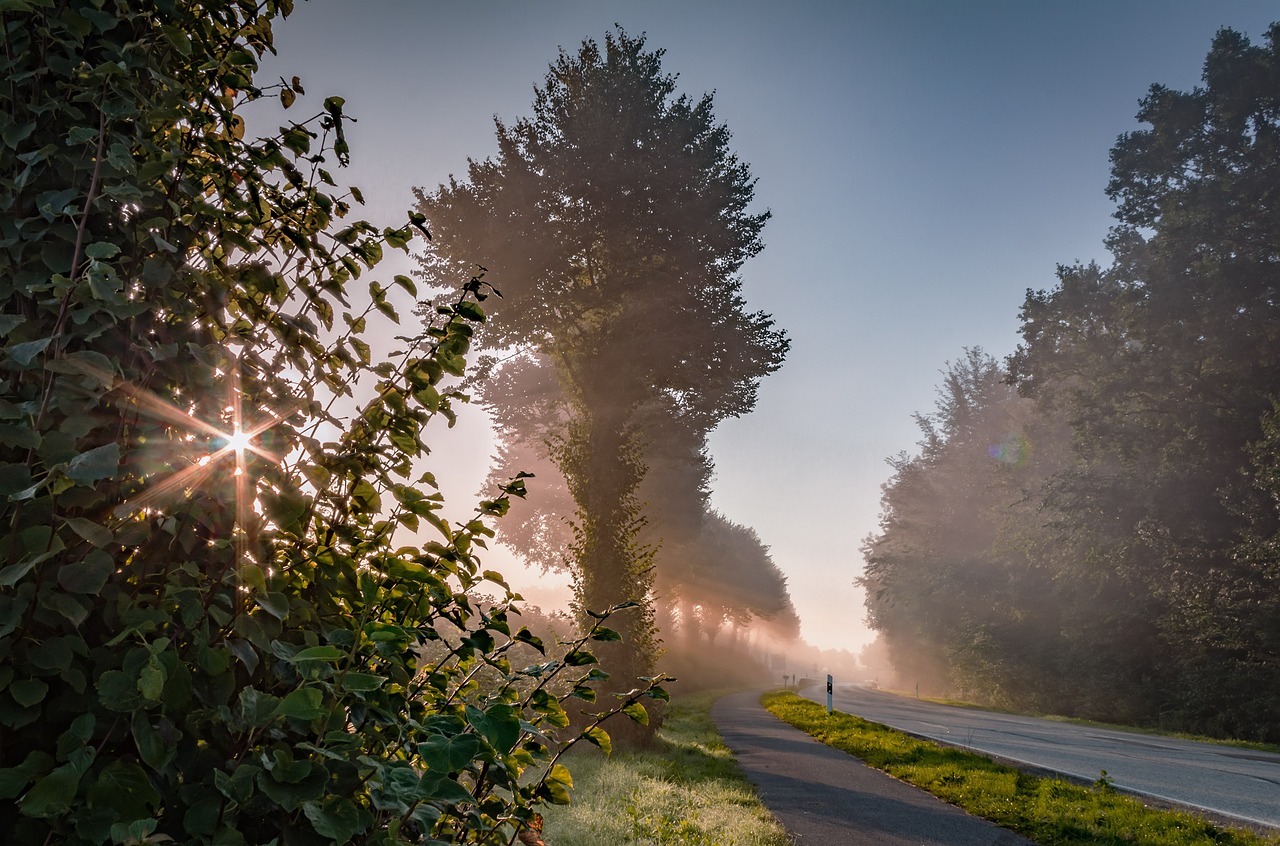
(614, 221)
(1153, 387)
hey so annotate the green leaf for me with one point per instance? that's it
(274, 603)
(11, 575)
(337, 818)
(152, 678)
(555, 789)
(448, 754)
(53, 794)
(362, 682)
(470, 310)
(364, 498)
(202, 817)
(580, 658)
(599, 737)
(151, 746)
(500, 725)
(24, 353)
(102, 250)
(13, 780)
(438, 787)
(305, 703)
(406, 283)
(94, 533)
(9, 322)
(100, 463)
(603, 633)
(53, 203)
(87, 576)
(637, 712)
(125, 788)
(28, 692)
(319, 653)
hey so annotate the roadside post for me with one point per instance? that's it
(828, 693)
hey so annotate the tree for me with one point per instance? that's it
(207, 634)
(1165, 365)
(614, 221)
(950, 585)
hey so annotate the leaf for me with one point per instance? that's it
(28, 692)
(637, 712)
(100, 463)
(89, 575)
(53, 794)
(102, 250)
(53, 203)
(406, 283)
(152, 678)
(305, 703)
(319, 653)
(13, 780)
(448, 754)
(9, 322)
(580, 658)
(274, 603)
(337, 818)
(151, 745)
(599, 737)
(471, 311)
(124, 788)
(438, 787)
(500, 725)
(25, 352)
(603, 633)
(94, 533)
(11, 575)
(557, 785)
(362, 682)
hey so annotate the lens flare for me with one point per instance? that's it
(1014, 450)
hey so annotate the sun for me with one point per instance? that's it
(239, 440)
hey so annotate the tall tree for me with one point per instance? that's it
(950, 584)
(1167, 369)
(614, 222)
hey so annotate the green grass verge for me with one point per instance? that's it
(1049, 811)
(687, 789)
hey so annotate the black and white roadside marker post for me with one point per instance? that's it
(828, 693)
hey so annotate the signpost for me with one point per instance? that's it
(828, 693)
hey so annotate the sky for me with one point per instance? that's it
(926, 163)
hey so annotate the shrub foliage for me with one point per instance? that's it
(221, 620)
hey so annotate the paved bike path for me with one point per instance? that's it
(826, 797)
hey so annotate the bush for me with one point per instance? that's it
(211, 630)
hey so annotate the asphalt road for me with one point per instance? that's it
(1237, 783)
(825, 797)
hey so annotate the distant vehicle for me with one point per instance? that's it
(872, 684)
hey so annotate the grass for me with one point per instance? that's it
(687, 789)
(1049, 811)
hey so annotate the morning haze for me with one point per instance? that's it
(924, 164)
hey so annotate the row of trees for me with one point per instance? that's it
(210, 629)
(1094, 527)
(614, 221)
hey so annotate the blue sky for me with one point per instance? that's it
(925, 162)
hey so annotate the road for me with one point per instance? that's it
(1238, 783)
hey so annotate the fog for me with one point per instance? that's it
(924, 168)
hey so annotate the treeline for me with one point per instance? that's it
(1092, 527)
